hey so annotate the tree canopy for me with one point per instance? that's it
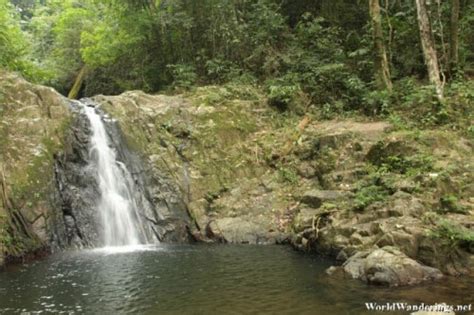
(333, 54)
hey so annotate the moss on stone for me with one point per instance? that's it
(33, 124)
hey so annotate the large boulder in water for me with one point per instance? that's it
(388, 266)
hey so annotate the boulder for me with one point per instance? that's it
(305, 218)
(239, 231)
(306, 170)
(404, 204)
(388, 266)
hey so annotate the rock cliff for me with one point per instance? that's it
(252, 175)
(33, 121)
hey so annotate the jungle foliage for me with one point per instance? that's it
(328, 55)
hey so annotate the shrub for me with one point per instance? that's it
(367, 195)
(281, 96)
(450, 203)
(184, 75)
(371, 189)
(377, 102)
(453, 234)
(219, 70)
(288, 175)
(410, 165)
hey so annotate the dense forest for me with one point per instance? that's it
(375, 57)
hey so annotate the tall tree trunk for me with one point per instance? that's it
(74, 92)
(382, 69)
(454, 37)
(429, 49)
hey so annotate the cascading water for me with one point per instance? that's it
(109, 195)
(118, 210)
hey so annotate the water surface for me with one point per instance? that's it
(201, 279)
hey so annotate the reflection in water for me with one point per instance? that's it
(200, 280)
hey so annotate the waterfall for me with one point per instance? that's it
(116, 205)
(109, 195)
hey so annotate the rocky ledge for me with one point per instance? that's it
(354, 190)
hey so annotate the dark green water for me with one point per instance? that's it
(200, 280)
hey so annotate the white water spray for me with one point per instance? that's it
(118, 210)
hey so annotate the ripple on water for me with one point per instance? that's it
(195, 279)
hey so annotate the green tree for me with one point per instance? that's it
(13, 45)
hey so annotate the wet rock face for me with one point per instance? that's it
(163, 213)
(77, 188)
(388, 266)
(163, 210)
